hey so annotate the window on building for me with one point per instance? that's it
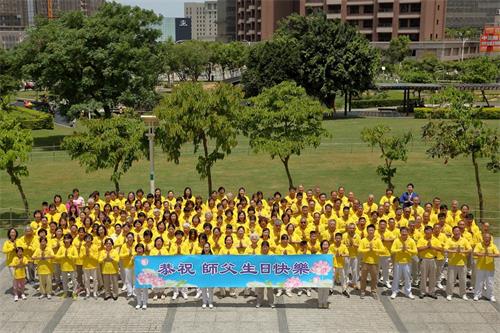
(367, 23)
(369, 37)
(333, 9)
(385, 22)
(352, 10)
(385, 7)
(368, 9)
(384, 37)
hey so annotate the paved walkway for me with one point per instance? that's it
(295, 314)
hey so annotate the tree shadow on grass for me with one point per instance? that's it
(48, 142)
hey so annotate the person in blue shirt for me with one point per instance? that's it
(407, 197)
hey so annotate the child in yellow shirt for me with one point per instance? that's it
(109, 259)
(89, 254)
(67, 256)
(43, 257)
(19, 263)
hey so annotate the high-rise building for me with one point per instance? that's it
(203, 17)
(470, 13)
(258, 19)
(382, 20)
(226, 20)
(175, 28)
(17, 15)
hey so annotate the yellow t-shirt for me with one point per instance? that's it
(29, 246)
(231, 250)
(389, 238)
(486, 263)
(89, 261)
(66, 258)
(370, 256)
(352, 244)
(339, 252)
(428, 253)
(400, 256)
(19, 272)
(9, 249)
(183, 248)
(280, 249)
(457, 259)
(127, 254)
(109, 267)
(161, 252)
(44, 267)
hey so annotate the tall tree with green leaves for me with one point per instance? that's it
(282, 121)
(8, 81)
(106, 59)
(463, 135)
(15, 146)
(205, 118)
(399, 49)
(230, 56)
(392, 148)
(114, 143)
(480, 70)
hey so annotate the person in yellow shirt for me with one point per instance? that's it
(324, 292)
(340, 253)
(351, 241)
(428, 248)
(458, 249)
(388, 197)
(284, 248)
(9, 249)
(179, 247)
(19, 278)
(265, 250)
(403, 249)
(313, 244)
(370, 249)
(370, 206)
(89, 254)
(66, 256)
(141, 293)
(485, 252)
(29, 243)
(387, 238)
(109, 258)
(43, 257)
(127, 260)
(159, 250)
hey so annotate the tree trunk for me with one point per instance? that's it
(485, 98)
(208, 168)
(345, 103)
(350, 100)
(333, 102)
(285, 163)
(479, 191)
(17, 181)
(107, 111)
(115, 179)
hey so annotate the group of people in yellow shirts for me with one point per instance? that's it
(85, 248)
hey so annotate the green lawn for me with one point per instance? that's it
(341, 160)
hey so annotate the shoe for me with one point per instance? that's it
(374, 295)
(246, 292)
(232, 294)
(476, 298)
(75, 295)
(162, 296)
(410, 296)
(257, 305)
(288, 293)
(448, 297)
(41, 296)
(23, 296)
(440, 286)
(433, 296)
(144, 306)
(95, 295)
(346, 294)
(184, 295)
(155, 297)
(203, 306)
(16, 298)
(198, 294)
(223, 293)
(421, 296)
(388, 285)
(279, 293)
(124, 288)
(138, 306)
(393, 295)
(49, 296)
(174, 296)
(493, 299)
(308, 293)
(87, 295)
(115, 298)
(470, 289)
(273, 306)
(465, 298)
(362, 295)
(211, 306)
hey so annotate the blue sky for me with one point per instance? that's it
(168, 8)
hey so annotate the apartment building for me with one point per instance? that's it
(226, 20)
(203, 19)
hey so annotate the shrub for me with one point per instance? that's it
(376, 103)
(439, 113)
(33, 119)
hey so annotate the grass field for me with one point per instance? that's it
(340, 160)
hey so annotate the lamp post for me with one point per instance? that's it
(151, 122)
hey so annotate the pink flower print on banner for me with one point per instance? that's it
(144, 261)
(321, 268)
(293, 282)
(316, 279)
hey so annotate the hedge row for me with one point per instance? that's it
(438, 113)
(377, 103)
(33, 119)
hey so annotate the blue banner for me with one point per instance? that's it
(234, 271)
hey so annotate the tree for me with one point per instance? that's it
(282, 121)
(399, 49)
(480, 70)
(8, 81)
(463, 134)
(230, 56)
(322, 55)
(206, 118)
(106, 59)
(15, 146)
(189, 59)
(115, 143)
(392, 148)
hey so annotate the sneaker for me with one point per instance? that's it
(388, 285)
(138, 306)
(95, 295)
(279, 293)
(440, 286)
(362, 295)
(393, 295)
(465, 298)
(246, 292)
(211, 306)
(198, 294)
(41, 296)
(49, 296)
(124, 288)
(433, 296)
(223, 293)
(273, 305)
(476, 298)
(410, 296)
(184, 295)
(162, 296)
(288, 293)
(155, 297)
(308, 293)
(87, 295)
(23, 296)
(374, 295)
(493, 299)
(257, 305)
(16, 298)
(232, 294)
(144, 306)
(448, 297)
(203, 306)
(470, 289)
(175, 295)
(299, 293)
(346, 294)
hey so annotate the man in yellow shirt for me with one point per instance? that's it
(485, 252)
(458, 249)
(370, 248)
(387, 238)
(427, 247)
(351, 241)
(403, 249)
(340, 252)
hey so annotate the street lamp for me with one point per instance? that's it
(463, 47)
(151, 122)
